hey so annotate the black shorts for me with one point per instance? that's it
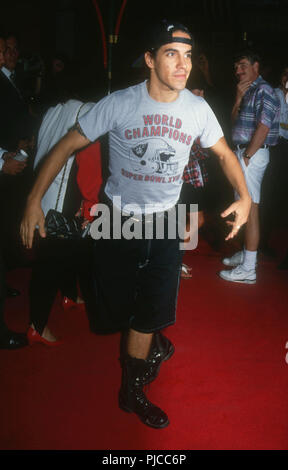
(137, 282)
(191, 195)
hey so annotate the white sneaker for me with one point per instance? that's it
(235, 260)
(239, 274)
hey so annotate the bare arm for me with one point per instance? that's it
(33, 214)
(233, 171)
(257, 140)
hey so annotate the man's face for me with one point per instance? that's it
(245, 71)
(12, 53)
(2, 52)
(171, 66)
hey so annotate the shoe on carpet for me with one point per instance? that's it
(34, 337)
(68, 303)
(238, 274)
(186, 271)
(11, 292)
(132, 398)
(162, 349)
(234, 260)
(12, 340)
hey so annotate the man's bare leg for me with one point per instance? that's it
(252, 238)
(252, 231)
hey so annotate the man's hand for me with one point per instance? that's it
(33, 216)
(241, 209)
(241, 89)
(11, 166)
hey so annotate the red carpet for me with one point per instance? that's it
(226, 387)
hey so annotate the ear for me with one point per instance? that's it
(256, 66)
(149, 60)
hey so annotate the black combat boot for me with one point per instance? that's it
(132, 397)
(161, 350)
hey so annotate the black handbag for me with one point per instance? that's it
(57, 225)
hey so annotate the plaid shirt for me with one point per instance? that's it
(195, 171)
(260, 104)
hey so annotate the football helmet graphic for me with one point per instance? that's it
(153, 156)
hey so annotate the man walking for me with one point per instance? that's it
(255, 118)
(151, 129)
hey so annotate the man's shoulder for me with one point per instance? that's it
(130, 91)
(262, 84)
(267, 93)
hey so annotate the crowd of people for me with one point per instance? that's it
(161, 141)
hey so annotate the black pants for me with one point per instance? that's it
(137, 280)
(13, 193)
(274, 192)
(58, 265)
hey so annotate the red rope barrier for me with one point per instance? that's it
(120, 17)
(104, 42)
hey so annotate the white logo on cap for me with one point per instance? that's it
(171, 26)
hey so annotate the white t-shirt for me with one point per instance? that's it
(56, 122)
(149, 143)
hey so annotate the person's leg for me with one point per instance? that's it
(245, 262)
(193, 198)
(8, 339)
(3, 327)
(252, 230)
(252, 238)
(139, 344)
(47, 274)
(42, 294)
(146, 348)
(68, 285)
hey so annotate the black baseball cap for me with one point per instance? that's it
(162, 33)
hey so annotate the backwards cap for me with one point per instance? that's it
(162, 33)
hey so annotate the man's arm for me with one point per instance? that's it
(233, 171)
(33, 214)
(257, 140)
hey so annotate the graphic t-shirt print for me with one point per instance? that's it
(154, 155)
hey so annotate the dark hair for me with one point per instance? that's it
(248, 54)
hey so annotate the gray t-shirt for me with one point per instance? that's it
(149, 143)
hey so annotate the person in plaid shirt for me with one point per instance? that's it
(255, 117)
